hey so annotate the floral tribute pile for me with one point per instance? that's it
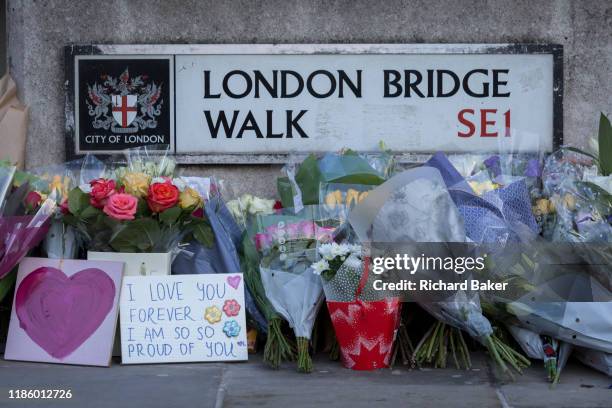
(307, 257)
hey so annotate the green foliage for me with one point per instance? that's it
(348, 168)
(202, 232)
(605, 145)
(171, 215)
(78, 201)
(7, 283)
(141, 235)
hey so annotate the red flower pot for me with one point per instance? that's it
(365, 331)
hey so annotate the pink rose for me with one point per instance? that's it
(101, 190)
(121, 206)
(262, 241)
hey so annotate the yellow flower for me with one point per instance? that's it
(190, 198)
(59, 187)
(569, 201)
(136, 184)
(352, 197)
(212, 314)
(482, 187)
(333, 198)
(543, 207)
(363, 195)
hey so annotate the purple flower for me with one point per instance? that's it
(493, 165)
(533, 168)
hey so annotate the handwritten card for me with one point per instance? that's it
(181, 318)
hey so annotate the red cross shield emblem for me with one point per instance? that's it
(124, 109)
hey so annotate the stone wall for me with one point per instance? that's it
(38, 30)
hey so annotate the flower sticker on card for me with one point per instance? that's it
(231, 307)
(231, 328)
(212, 314)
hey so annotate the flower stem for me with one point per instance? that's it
(304, 360)
(277, 348)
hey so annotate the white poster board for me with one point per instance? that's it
(183, 318)
(413, 102)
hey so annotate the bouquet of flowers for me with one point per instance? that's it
(365, 322)
(19, 234)
(222, 256)
(301, 186)
(287, 243)
(416, 207)
(137, 208)
(55, 182)
(248, 206)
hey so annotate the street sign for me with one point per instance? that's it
(260, 103)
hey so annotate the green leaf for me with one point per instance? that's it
(140, 235)
(90, 212)
(7, 283)
(77, 201)
(170, 215)
(203, 233)
(309, 178)
(143, 208)
(605, 145)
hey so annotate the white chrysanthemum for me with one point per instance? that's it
(356, 249)
(344, 249)
(261, 206)
(158, 180)
(339, 249)
(326, 251)
(353, 261)
(320, 267)
(234, 208)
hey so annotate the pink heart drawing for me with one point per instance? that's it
(60, 313)
(233, 281)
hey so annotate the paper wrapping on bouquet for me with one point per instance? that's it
(222, 257)
(19, 234)
(13, 123)
(596, 359)
(562, 290)
(6, 181)
(496, 215)
(295, 296)
(365, 324)
(530, 342)
(584, 324)
(137, 264)
(416, 207)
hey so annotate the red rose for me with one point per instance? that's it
(162, 196)
(277, 205)
(101, 190)
(32, 200)
(64, 208)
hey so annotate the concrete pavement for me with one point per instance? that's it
(254, 385)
